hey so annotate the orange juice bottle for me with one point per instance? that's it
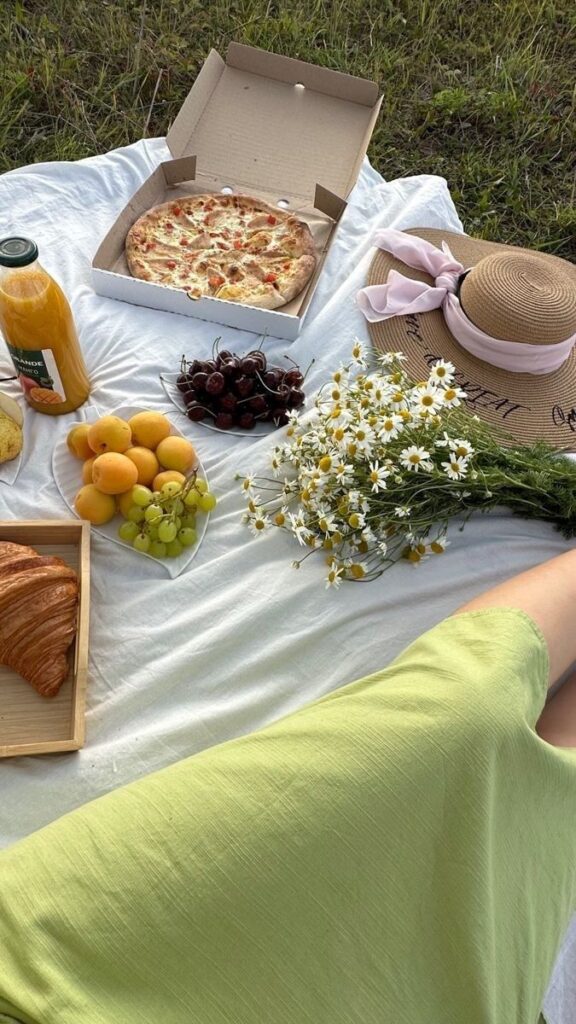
(38, 328)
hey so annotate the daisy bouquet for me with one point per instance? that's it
(380, 466)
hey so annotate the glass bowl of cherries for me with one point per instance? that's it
(236, 393)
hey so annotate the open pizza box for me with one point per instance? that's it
(270, 127)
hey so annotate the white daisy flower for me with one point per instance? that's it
(402, 511)
(415, 458)
(443, 372)
(439, 545)
(383, 548)
(259, 523)
(354, 499)
(368, 535)
(344, 473)
(452, 396)
(428, 399)
(461, 448)
(248, 482)
(445, 442)
(377, 477)
(456, 469)
(358, 353)
(390, 427)
(333, 578)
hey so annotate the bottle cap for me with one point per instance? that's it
(17, 252)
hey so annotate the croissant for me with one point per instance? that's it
(38, 611)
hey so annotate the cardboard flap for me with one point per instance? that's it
(329, 203)
(266, 122)
(182, 169)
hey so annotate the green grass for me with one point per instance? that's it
(480, 91)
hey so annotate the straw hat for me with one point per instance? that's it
(513, 302)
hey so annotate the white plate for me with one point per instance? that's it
(9, 470)
(68, 476)
(168, 381)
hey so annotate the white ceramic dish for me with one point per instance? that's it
(68, 476)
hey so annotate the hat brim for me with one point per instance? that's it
(527, 406)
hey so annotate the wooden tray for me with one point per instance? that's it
(29, 723)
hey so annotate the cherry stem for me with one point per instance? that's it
(264, 384)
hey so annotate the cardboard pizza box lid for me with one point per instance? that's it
(264, 121)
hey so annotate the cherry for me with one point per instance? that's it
(244, 386)
(190, 396)
(272, 379)
(210, 366)
(279, 416)
(183, 381)
(258, 404)
(293, 378)
(283, 394)
(297, 398)
(246, 421)
(227, 402)
(223, 357)
(224, 420)
(231, 367)
(215, 383)
(196, 412)
(196, 366)
(199, 380)
(258, 356)
(249, 365)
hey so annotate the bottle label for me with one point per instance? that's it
(39, 376)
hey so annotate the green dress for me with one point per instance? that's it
(402, 851)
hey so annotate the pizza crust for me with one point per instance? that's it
(231, 247)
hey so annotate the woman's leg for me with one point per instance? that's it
(557, 723)
(547, 594)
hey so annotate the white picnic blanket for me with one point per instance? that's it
(240, 638)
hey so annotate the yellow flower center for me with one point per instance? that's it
(336, 412)
(328, 543)
(421, 549)
(427, 400)
(305, 495)
(360, 435)
(279, 519)
(335, 394)
(461, 452)
(440, 371)
(374, 476)
(413, 556)
(449, 394)
(338, 434)
(246, 485)
(397, 396)
(437, 548)
(354, 521)
(352, 449)
(414, 459)
(325, 463)
(259, 524)
(406, 416)
(357, 570)
(251, 505)
(337, 537)
(396, 378)
(363, 546)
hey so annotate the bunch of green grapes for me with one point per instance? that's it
(163, 523)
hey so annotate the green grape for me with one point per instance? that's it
(141, 496)
(177, 522)
(187, 536)
(167, 532)
(135, 514)
(153, 512)
(156, 495)
(201, 485)
(173, 549)
(128, 531)
(141, 542)
(178, 506)
(152, 531)
(171, 489)
(192, 498)
(158, 549)
(189, 520)
(207, 501)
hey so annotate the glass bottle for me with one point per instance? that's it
(38, 328)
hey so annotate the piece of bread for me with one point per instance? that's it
(38, 613)
(10, 438)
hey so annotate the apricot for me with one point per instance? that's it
(113, 473)
(87, 470)
(176, 452)
(146, 463)
(124, 502)
(77, 441)
(149, 429)
(94, 506)
(109, 434)
(166, 477)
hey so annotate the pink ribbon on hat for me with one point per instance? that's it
(402, 295)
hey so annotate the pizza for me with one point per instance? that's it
(229, 247)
